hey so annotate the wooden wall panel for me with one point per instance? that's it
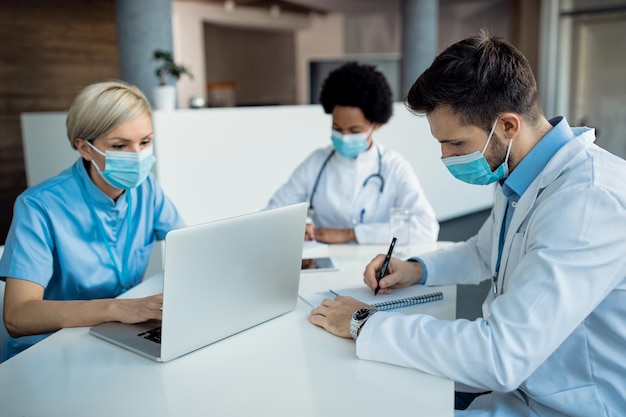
(49, 50)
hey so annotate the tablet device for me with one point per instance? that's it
(318, 264)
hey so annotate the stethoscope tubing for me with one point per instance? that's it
(321, 171)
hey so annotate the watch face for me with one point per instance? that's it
(361, 314)
(358, 318)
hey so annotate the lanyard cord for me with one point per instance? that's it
(494, 278)
(120, 272)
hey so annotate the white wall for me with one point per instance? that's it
(216, 163)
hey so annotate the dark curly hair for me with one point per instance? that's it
(358, 85)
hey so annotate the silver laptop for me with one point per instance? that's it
(220, 278)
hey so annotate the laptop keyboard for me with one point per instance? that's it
(152, 334)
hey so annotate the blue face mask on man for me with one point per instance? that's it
(473, 168)
(350, 145)
(125, 170)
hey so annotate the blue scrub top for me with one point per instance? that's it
(54, 242)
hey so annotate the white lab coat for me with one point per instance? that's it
(341, 200)
(555, 341)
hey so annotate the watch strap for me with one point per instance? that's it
(356, 323)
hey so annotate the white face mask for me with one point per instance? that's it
(125, 170)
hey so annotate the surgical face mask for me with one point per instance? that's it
(350, 145)
(473, 168)
(125, 170)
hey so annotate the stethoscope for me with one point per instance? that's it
(311, 210)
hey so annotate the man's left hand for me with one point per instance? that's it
(335, 315)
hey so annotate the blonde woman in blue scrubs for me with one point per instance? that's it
(82, 238)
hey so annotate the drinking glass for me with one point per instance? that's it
(401, 227)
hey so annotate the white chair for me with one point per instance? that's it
(3, 332)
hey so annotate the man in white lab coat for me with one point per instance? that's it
(552, 338)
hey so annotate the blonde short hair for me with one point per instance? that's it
(100, 107)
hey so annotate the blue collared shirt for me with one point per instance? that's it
(531, 165)
(53, 240)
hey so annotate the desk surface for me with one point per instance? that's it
(285, 367)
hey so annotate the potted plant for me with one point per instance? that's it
(164, 93)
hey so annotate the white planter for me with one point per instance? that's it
(164, 97)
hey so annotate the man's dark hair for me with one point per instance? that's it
(358, 85)
(477, 79)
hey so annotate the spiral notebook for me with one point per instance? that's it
(399, 298)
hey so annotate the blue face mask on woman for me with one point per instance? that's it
(350, 145)
(125, 170)
(473, 168)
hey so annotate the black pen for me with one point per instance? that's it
(383, 270)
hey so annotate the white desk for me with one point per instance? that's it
(285, 367)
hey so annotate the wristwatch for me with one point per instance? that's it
(359, 318)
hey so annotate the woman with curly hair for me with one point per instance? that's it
(352, 184)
